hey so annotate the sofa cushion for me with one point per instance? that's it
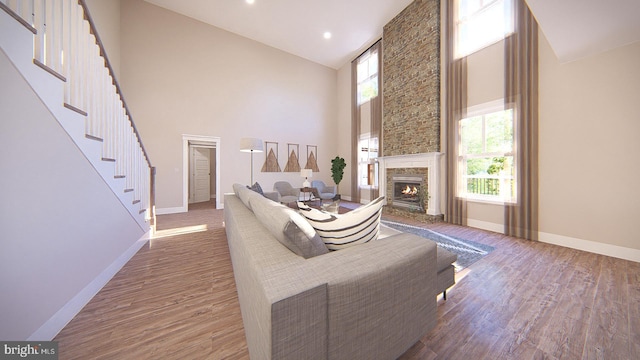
(445, 259)
(288, 227)
(340, 231)
(245, 194)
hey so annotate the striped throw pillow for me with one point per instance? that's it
(340, 231)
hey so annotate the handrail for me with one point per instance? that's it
(103, 53)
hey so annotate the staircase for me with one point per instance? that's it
(55, 46)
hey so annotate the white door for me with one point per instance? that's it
(201, 174)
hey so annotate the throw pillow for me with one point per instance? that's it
(340, 231)
(257, 188)
(288, 227)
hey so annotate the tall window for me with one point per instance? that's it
(487, 154)
(367, 76)
(366, 123)
(367, 166)
(480, 23)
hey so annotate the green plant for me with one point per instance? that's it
(337, 170)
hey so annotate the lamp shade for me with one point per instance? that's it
(251, 145)
(306, 173)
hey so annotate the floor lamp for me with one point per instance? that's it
(251, 145)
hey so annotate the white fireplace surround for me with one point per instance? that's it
(431, 161)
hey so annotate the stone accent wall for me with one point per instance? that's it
(411, 80)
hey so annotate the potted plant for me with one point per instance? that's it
(337, 172)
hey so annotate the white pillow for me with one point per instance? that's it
(340, 231)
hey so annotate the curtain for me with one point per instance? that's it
(355, 132)
(456, 101)
(521, 93)
(376, 114)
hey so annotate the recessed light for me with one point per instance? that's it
(327, 35)
(249, 1)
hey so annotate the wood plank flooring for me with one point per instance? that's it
(176, 299)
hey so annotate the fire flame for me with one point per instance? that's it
(410, 191)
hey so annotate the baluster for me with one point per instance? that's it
(26, 9)
(130, 171)
(57, 37)
(47, 56)
(89, 92)
(81, 61)
(120, 141)
(111, 116)
(38, 23)
(98, 89)
(95, 90)
(67, 51)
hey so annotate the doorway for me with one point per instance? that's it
(201, 169)
(201, 188)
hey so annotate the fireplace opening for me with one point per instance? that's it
(408, 192)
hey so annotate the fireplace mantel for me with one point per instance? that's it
(431, 161)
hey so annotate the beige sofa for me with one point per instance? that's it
(370, 301)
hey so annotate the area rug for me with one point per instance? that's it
(468, 251)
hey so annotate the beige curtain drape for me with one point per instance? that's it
(456, 105)
(521, 92)
(355, 132)
(376, 113)
(376, 122)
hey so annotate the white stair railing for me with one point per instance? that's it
(67, 45)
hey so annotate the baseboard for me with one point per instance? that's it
(173, 210)
(485, 225)
(616, 251)
(595, 247)
(60, 319)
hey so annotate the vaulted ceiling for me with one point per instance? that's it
(574, 28)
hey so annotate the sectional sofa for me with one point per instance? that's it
(300, 301)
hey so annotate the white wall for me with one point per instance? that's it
(589, 147)
(106, 16)
(589, 128)
(181, 76)
(60, 224)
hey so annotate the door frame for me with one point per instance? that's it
(204, 141)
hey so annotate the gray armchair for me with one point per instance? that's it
(287, 193)
(325, 192)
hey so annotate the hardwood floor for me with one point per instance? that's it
(176, 299)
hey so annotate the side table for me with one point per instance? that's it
(312, 194)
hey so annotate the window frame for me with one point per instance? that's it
(371, 76)
(465, 49)
(462, 183)
(366, 166)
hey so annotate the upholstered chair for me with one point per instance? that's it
(287, 193)
(325, 192)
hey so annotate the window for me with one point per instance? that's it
(486, 161)
(480, 23)
(367, 76)
(367, 164)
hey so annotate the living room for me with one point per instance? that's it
(219, 84)
(203, 94)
